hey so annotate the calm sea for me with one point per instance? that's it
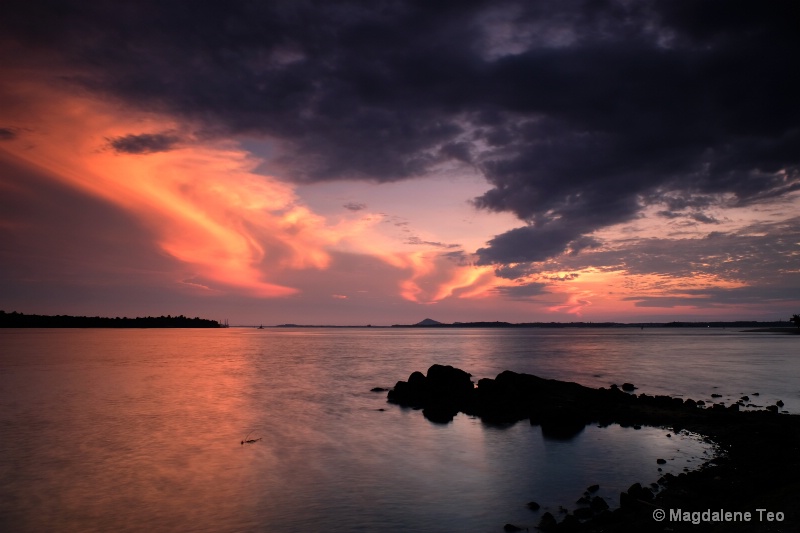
(131, 430)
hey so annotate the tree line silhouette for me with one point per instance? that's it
(20, 320)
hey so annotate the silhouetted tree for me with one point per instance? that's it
(796, 320)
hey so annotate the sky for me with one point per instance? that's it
(380, 162)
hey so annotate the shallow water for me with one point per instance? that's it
(133, 429)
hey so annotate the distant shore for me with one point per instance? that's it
(20, 320)
(760, 327)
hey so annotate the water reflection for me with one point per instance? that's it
(131, 430)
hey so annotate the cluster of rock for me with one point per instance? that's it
(563, 409)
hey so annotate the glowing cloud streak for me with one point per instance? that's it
(203, 202)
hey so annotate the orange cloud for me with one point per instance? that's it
(434, 277)
(203, 201)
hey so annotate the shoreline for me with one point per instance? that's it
(759, 467)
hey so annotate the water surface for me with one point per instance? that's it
(133, 429)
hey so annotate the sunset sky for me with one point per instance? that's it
(385, 161)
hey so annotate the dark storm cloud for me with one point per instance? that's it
(354, 206)
(416, 240)
(759, 255)
(145, 143)
(696, 216)
(719, 297)
(522, 292)
(578, 113)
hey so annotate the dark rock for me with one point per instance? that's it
(548, 522)
(583, 513)
(570, 523)
(378, 389)
(593, 488)
(746, 398)
(634, 497)
(583, 500)
(533, 506)
(511, 527)
(598, 504)
(628, 387)
(772, 408)
(440, 413)
(563, 423)
(779, 403)
(715, 395)
(661, 461)
(417, 380)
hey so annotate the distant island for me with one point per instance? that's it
(20, 320)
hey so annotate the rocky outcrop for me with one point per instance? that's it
(442, 393)
(748, 474)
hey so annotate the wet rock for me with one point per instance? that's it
(440, 413)
(533, 506)
(634, 496)
(511, 527)
(442, 393)
(715, 395)
(583, 500)
(548, 522)
(745, 398)
(628, 387)
(570, 523)
(584, 513)
(779, 403)
(772, 408)
(661, 461)
(563, 423)
(593, 488)
(598, 504)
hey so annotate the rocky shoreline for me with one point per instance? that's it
(758, 471)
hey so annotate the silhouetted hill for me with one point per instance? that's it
(20, 320)
(428, 322)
